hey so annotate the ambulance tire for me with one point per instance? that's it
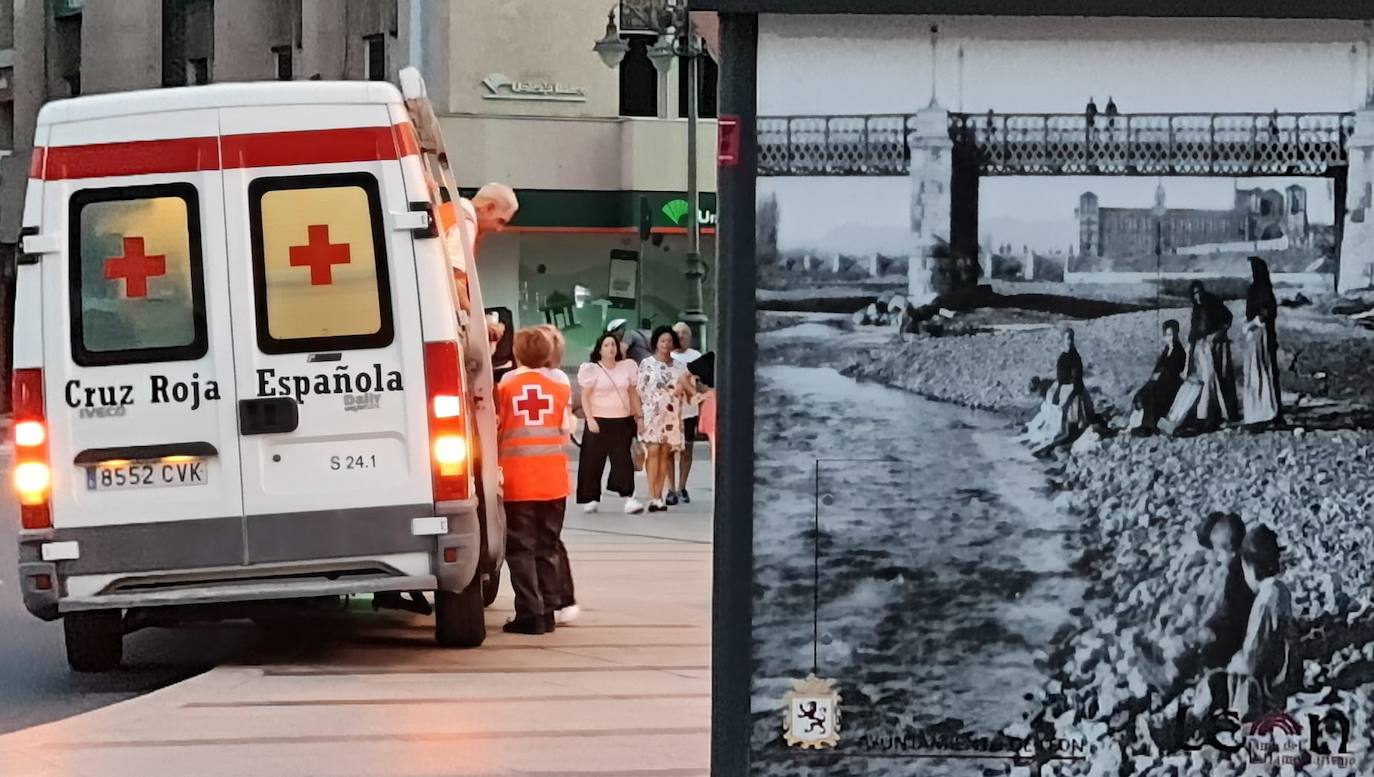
(95, 640)
(491, 586)
(460, 618)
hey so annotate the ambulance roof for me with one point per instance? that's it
(218, 96)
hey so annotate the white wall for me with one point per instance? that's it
(878, 64)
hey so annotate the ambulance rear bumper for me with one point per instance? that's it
(246, 592)
(289, 556)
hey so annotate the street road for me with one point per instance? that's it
(35, 684)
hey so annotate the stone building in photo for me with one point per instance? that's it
(1257, 215)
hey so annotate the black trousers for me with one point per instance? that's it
(611, 443)
(567, 596)
(539, 573)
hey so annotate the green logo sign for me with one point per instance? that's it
(676, 211)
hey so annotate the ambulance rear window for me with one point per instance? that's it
(319, 263)
(135, 275)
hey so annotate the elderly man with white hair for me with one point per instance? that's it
(684, 355)
(489, 211)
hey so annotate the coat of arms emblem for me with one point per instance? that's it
(811, 714)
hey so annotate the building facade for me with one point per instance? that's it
(522, 97)
(586, 147)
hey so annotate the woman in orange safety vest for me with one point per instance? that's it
(532, 407)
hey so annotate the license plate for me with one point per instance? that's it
(160, 474)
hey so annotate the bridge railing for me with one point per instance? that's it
(1227, 144)
(833, 145)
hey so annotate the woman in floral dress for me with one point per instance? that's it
(663, 385)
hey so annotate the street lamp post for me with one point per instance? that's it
(1159, 212)
(672, 22)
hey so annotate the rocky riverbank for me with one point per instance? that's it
(1140, 502)
(1322, 356)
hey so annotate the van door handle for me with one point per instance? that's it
(268, 415)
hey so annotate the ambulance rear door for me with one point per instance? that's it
(331, 381)
(138, 361)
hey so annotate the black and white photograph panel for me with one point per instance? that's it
(1064, 428)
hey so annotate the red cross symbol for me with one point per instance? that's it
(135, 267)
(320, 255)
(534, 405)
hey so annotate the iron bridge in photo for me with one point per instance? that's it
(1017, 144)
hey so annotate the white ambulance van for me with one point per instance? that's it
(242, 368)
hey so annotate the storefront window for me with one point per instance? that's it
(566, 282)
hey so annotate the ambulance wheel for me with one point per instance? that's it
(491, 586)
(95, 640)
(460, 619)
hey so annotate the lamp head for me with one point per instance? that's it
(662, 53)
(611, 48)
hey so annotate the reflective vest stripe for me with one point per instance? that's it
(531, 431)
(526, 451)
(542, 442)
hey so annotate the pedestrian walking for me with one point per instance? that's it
(634, 341)
(611, 406)
(704, 370)
(684, 354)
(532, 410)
(663, 385)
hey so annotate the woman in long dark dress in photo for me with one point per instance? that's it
(1153, 400)
(1212, 401)
(1261, 397)
(1067, 401)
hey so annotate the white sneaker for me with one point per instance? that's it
(566, 615)
(591, 507)
(633, 506)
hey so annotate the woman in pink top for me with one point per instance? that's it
(611, 406)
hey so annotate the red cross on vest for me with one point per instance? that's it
(135, 267)
(320, 255)
(534, 405)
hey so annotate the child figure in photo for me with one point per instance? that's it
(1226, 603)
(532, 410)
(1259, 671)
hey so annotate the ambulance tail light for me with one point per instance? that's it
(448, 437)
(32, 474)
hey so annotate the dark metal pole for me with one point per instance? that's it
(693, 313)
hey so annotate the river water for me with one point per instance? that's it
(942, 576)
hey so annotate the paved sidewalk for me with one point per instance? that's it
(623, 692)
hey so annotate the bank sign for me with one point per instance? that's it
(675, 211)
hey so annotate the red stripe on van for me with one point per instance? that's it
(258, 149)
(139, 157)
(406, 140)
(309, 147)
